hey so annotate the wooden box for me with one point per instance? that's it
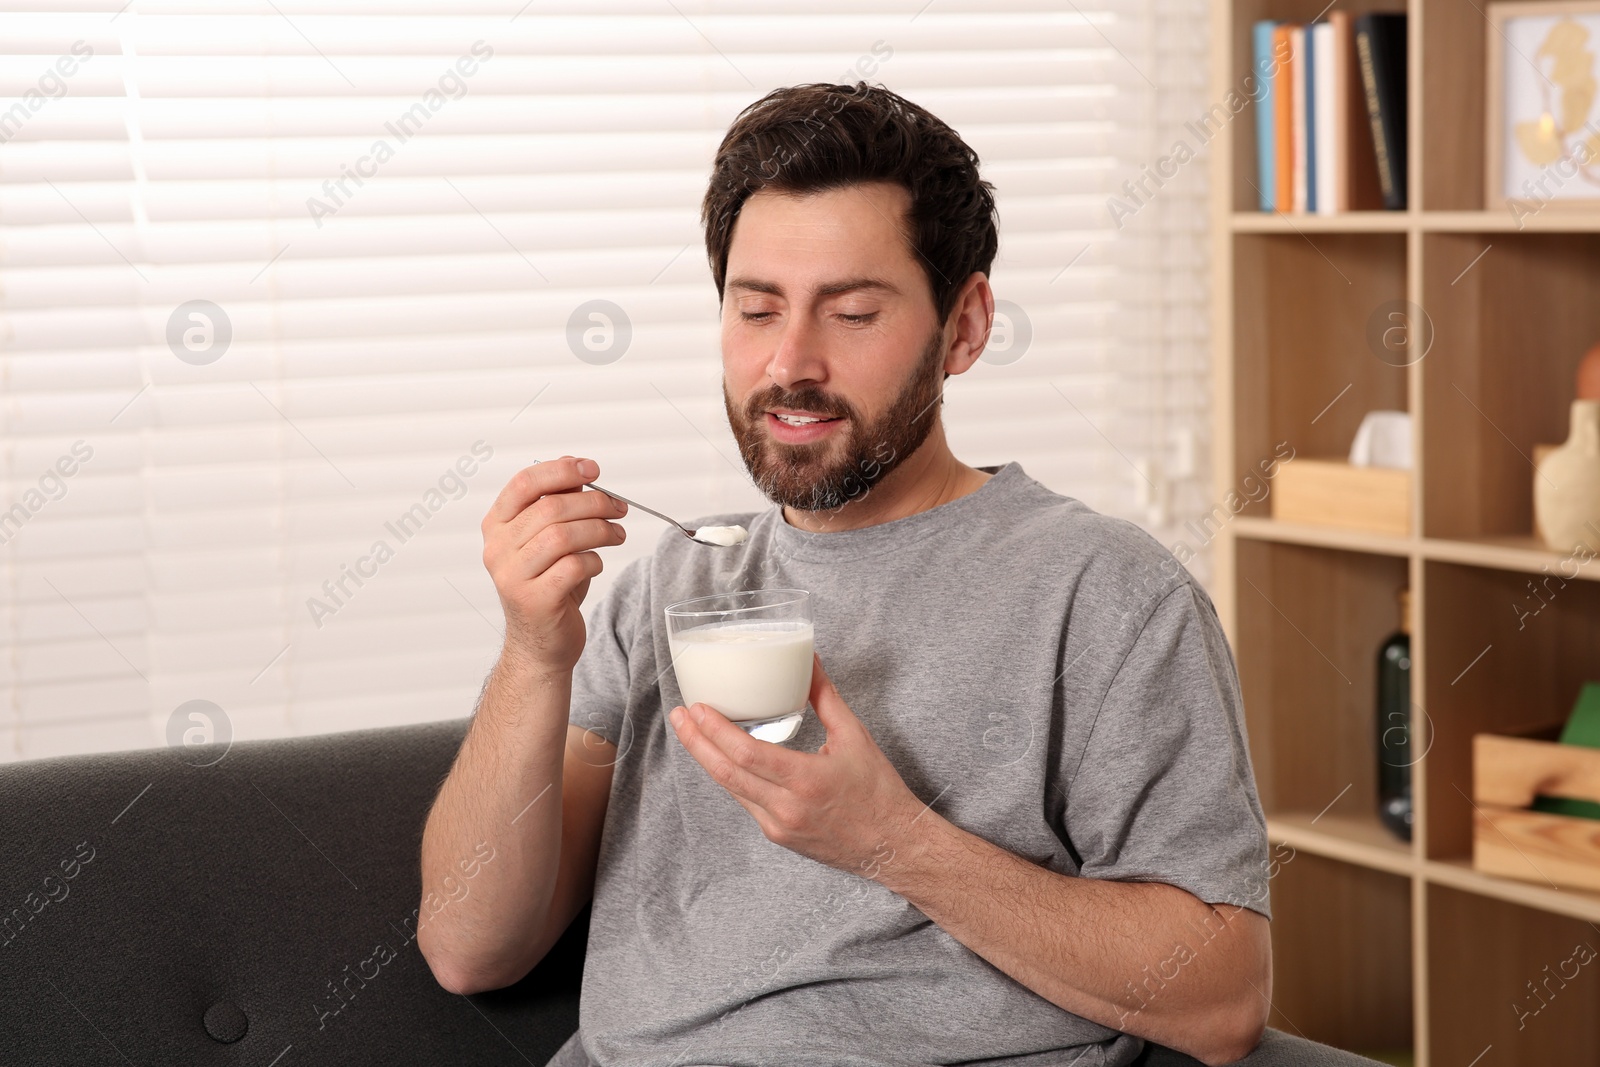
(1330, 492)
(1509, 840)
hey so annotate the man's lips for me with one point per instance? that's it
(802, 413)
(792, 434)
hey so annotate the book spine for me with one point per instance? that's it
(1309, 104)
(1297, 37)
(1283, 118)
(1266, 153)
(1369, 81)
(1360, 173)
(1326, 95)
(1390, 53)
(1343, 150)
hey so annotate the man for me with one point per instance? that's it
(1021, 826)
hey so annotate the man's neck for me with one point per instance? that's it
(930, 476)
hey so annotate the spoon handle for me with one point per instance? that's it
(641, 507)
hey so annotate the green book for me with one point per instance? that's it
(1583, 728)
(1583, 725)
(1583, 809)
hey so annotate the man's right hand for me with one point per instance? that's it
(539, 541)
(539, 538)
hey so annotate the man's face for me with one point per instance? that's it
(826, 315)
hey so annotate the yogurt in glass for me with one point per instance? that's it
(746, 654)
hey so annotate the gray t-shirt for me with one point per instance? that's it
(1050, 678)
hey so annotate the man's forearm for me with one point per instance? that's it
(504, 791)
(1142, 957)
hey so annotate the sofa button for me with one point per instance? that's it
(225, 1022)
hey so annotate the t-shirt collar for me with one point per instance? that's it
(832, 546)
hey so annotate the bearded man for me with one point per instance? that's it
(1020, 827)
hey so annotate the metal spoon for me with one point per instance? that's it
(693, 535)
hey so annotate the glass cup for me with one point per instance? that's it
(746, 654)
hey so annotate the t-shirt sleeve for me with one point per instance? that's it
(1164, 791)
(610, 671)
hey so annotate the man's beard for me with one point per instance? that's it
(802, 476)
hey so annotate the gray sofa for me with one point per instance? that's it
(261, 911)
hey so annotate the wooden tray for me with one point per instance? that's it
(1509, 840)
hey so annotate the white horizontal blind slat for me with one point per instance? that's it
(382, 328)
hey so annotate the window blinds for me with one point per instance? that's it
(288, 291)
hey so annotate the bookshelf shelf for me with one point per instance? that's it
(1510, 552)
(1550, 220)
(1523, 553)
(1349, 839)
(1364, 843)
(1349, 222)
(1295, 533)
(1512, 306)
(1458, 874)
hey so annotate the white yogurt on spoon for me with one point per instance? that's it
(726, 536)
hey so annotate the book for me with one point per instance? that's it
(1583, 725)
(1381, 52)
(1582, 728)
(1325, 139)
(1283, 118)
(1356, 177)
(1266, 154)
(1297, 118)
(1308, 103)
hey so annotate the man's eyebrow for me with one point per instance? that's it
(856, 283)
(757, 285)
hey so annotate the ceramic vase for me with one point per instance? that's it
(1566, 485)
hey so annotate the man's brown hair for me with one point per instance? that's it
(811, 138)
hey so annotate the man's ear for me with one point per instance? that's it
(968, 327)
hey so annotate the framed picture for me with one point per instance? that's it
(1543, 139)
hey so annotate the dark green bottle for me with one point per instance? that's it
(1394, 726)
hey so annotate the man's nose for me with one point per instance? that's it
(798, 358)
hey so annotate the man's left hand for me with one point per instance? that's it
(839, 806)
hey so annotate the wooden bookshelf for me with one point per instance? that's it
(1381, 946)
